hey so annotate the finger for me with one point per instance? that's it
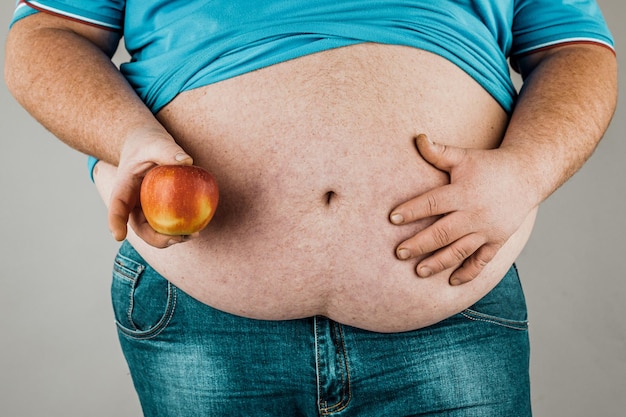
(442, 157)
(123, 200)
(474, 265)
(440, 234)
(441, 200)
(451, 256)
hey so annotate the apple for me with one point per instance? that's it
(178, 199)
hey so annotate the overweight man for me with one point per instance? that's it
(378, 176)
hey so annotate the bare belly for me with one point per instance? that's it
(310, 156)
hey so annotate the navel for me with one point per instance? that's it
(329, 197)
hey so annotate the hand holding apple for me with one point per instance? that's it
(178, 199)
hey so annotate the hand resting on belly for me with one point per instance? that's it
(311, 156)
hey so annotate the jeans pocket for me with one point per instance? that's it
(143, 301)
(505, 305)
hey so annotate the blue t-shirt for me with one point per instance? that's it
(180, 45)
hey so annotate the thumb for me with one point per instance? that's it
(182, 158)
(143, 151)
(172, 154)
(443, 157)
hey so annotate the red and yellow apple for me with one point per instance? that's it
(178, 199)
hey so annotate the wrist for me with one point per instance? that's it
(535, 175)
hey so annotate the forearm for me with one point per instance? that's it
(61, 72)
(69, 84)
(566, 103)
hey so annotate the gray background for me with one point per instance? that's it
(58, 346)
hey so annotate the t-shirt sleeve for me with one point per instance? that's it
(104, 14)
(539, 24)
(21, 11)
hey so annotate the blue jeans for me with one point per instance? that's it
(189, 360)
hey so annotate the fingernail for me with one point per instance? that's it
(403, 253)
(397, 218)
(424, 272)
(423, 135)
(455, 281)
(181, 156)
(171, 242)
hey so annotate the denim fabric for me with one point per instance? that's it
(189, 360)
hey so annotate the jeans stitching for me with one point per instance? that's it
(346, 391)
(512, 324)
(131, 306)
(317, 361)
(131, 270)
(161, 325)
(127, 267)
